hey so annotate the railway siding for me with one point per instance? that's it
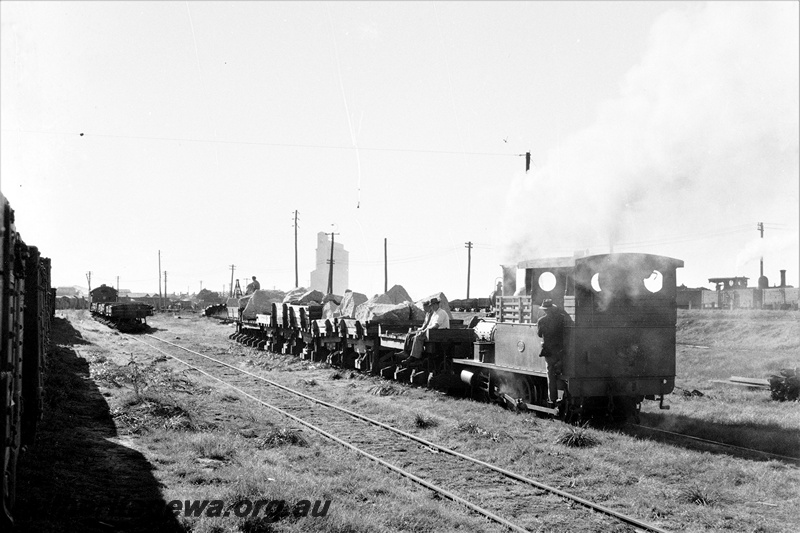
(208, 442)
(470, 483)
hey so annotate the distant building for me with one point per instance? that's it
(104, 293)
(700, 298)
(66, 291)
(729, 284)
(74, 290)
(341, 266)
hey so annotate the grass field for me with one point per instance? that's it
(715, 345)
(124, 423)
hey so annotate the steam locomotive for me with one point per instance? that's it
(28, 304)
(620, 342)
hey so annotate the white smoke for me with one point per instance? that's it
(705, 129)
(770, 246)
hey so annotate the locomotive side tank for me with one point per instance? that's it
(619, 341)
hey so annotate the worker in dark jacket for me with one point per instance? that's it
(552, 329)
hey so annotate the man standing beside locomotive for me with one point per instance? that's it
(437, 319)
(551, 328)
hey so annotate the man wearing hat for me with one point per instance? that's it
(551, 329)
(252, 287)
(437, 319)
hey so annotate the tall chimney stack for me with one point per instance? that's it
(783, 278)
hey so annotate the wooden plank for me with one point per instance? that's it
(753, 381)
(736, 384)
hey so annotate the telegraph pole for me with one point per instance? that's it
(117, 287)
(761, 229)
(233, 267)
(160, 300)
(385, 267)
(469, 262)
(89, 280)
(330, 262)
(296, 278)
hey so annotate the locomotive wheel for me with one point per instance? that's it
(518, 387)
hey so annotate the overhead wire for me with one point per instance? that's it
(202, 83)
(353, 138)
(260, 143)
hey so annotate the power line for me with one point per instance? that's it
(258, 143)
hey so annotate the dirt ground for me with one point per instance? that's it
(126, 432)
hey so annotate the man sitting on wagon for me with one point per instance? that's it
(252, 287)
(436, 319)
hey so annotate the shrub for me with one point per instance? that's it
(577, 437)
(283, 437)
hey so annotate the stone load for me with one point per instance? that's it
(392, 307)
(258, 303)
(350, 303)
(303, 296)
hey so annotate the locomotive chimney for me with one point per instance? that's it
(509, 279)
(783, 278)
(763, 281)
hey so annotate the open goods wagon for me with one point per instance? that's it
(125, 316)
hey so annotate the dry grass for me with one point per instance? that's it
(738, 343)
(698, 495)
(283, 437)
(384, 389)
(424, 422)
(678, 488)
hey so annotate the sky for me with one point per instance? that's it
(197, 129)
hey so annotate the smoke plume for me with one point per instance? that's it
(705, 131)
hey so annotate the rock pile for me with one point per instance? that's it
(302, 296)
(350, 302)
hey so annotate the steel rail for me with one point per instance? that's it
(597, 507)
(717, 443)
(447, 494)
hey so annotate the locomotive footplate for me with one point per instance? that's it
(518, 405)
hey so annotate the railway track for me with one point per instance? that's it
(731, 447)
(489, 490)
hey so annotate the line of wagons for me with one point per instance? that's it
(129, 317)
(620, 339)
(28, 306)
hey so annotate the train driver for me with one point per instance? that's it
(551, 328)
(438, 320)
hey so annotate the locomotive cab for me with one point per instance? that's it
(623, 342)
